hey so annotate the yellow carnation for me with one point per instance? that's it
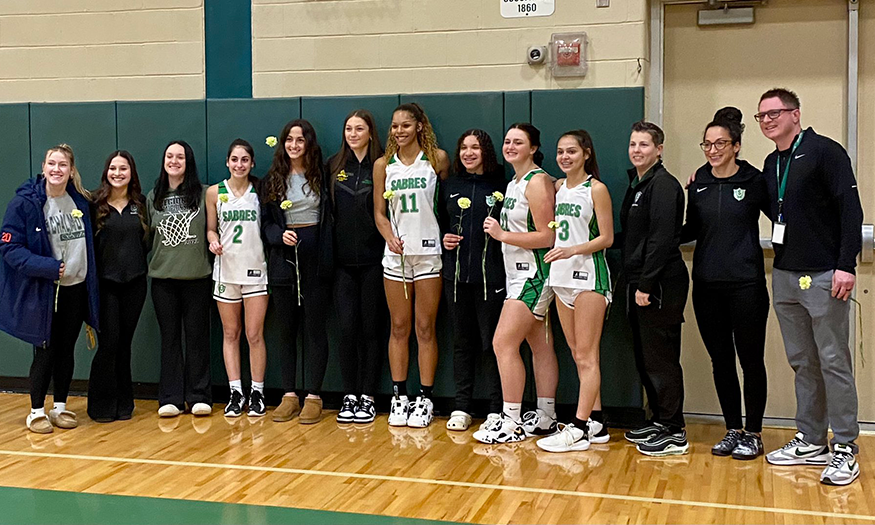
(271, 141)
(342, 176)
(223, 197)
(388, 194)
(497, 195)
(805, 282)
(286, 204)
(553, 225)
(464, 203)
(76, 214)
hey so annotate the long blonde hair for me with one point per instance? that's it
(74, 173)
(425, 136)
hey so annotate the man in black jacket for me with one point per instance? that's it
(817, 236)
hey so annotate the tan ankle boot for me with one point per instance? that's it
(312, 411)
(289, 408)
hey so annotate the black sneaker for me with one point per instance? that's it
(256, 404)
(640, 435)
(234, 408)
(347, 409)
(666, 443)
(750, 446)
(365, 412)
(727, 444)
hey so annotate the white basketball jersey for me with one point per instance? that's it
(242, 260)
(578, 225)
(413, 209)
(521, 263)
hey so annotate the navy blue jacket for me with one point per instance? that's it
(28, 270)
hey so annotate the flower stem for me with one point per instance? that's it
(298, 274)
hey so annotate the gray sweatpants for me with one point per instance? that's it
(814, 326)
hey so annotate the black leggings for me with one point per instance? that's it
(184, 306)
(360, 301)
(732, 321)
(474, 321)
(110, 388)
(56, 360)
(311, 315)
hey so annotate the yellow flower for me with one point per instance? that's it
(388, 194)
(76, 214)
(805, 282)
(342, 176)
(464, 203)
(497, 195)
(271, 141)
(286, 204)
(553, 225)
(223, 197)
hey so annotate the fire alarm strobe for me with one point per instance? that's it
(569, 54)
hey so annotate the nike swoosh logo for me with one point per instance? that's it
(799, 156)
(454, 195)
(700, 190)
(499, 290)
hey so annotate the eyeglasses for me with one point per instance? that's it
(720, 145)
(773, 114)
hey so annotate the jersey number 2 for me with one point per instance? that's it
(238, 231)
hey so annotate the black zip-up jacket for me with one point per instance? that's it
(357, 241)
(273, 225)
(651, 219)
(723, 218)
(822, 208)
(476, 188)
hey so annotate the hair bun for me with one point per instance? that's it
(728, 114)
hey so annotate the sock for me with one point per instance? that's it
(258, 387)
(596, 415)
(548, 405)
(426, 391)
(369, 398)
(41, 411)
(512, 410)
(579, 423)
(60, 407)
(400, 388)
(237, 385)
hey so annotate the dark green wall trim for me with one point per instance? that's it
(228, 48)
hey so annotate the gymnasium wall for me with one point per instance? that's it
(144, 128)
(83, 50)
(357, 47)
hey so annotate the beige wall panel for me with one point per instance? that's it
(13, 7)
(108, 88)
(800, 44)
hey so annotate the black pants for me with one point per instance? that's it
(110, 388)
(55, 362)
(359, 301)
(656, 331)
(183, 306)
(311, 315)
(474, 321)
(732, 320)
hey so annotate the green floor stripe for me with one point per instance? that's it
(26, 506)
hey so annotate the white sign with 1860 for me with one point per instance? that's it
(524, 8)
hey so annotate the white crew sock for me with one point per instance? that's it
(512, 410)
(237, 385)
(259, 387)
(548, 405)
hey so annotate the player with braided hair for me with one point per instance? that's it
(405, 197)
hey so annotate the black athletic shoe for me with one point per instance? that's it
(727, 444)
(750, 446)
(347, 409)
(666, 443)
(256, 404)
(640, 435)
(365, 412)
(234, 408)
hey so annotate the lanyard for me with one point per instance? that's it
(782, 181)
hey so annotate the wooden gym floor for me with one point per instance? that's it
(375, 471)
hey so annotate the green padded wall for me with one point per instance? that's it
(327, 114)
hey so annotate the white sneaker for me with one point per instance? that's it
(598, 433)
(843, 469)
(538, 423)
(347, 409)
(492, 416)
(799, 452)
(168, 410)
(501, 430)
(201, 409)
(399, 411)
(421, 414)
(568, 439)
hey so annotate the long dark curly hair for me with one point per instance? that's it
(135, 193)
(274, 183)
(487, 149)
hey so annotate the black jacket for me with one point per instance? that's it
(470, 250)
(651, 219)
(723, 218)
(273, 225)
(357, 241)
(821, 206)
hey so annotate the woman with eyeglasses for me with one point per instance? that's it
(729, 285)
